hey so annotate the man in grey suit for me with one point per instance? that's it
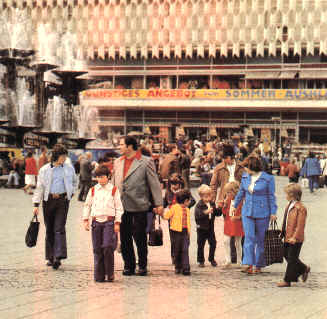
(139, 186)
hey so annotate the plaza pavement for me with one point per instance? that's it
(29, 289)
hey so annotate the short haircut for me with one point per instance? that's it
(130, 140)
(102, 170)
(204, 189)
(43, 148)
(29, 154)
(182, 196)
(294, 190)
(57, 151)
(254, 164)
(232, 187)
(228, 150)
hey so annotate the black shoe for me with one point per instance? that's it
(178, 271)
(142, 272)
(186, 273)
(201, 265)
(127, 272)
(213, 263)
(99, 280)
(56, 263)
(111, 278)
(50, 263)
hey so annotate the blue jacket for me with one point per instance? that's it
(262, 202)
(311, 167)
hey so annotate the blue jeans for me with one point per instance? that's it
(313, 182)
(253, 248)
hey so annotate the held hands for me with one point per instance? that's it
(86, 224)
(35, 211)
(292, 240)
(158, 210)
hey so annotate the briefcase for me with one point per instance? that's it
(273, 245)
(32, 232)
(156, 236)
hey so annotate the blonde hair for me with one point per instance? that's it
(294, 190)
(204, 189)
(232, 187)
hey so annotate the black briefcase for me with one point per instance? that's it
(155, 236)
(32, 232)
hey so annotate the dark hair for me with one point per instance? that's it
(311, 154)
(57, 151)
(102, 170)
(171, 147)
(43, 148)
(175, 178)
(130, 140)
(145, 151)
(182, 196)
(29, 154)
(254, 164)
(228, 150)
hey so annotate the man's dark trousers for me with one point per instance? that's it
(133, 226)
(295, 267)
(55, 216)
(181, 243)
(203, 236)
(85, 187)
(104, 243)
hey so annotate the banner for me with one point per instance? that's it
(219, 94)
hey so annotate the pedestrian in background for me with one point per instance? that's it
(86, 168)
(293, 233)
(311, 169)
(30, 173)
(104, 206)
(43, 159)
(139, 186)
(56, 185)
(257, 190)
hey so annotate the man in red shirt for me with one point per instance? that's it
(30, 172)
(139, 186)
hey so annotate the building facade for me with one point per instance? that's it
(201, 67)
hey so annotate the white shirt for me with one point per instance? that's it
(209, 206)
(292, 204)
(231, 169)
(103, 204)
(254, 178)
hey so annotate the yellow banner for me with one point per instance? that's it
(244, 94)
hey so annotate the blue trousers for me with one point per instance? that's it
(253, 248)
(313, 182)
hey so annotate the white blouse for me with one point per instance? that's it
(254, 178)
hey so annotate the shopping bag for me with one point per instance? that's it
(156, 236)
(32, 232)
(273, 244)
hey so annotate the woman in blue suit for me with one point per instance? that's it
(312, 170)
(258, 192)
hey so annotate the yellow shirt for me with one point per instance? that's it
(175, 215)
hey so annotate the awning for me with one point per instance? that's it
(22, 71)
(262, 75)
(313, 74)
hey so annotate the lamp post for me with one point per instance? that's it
(275, 119)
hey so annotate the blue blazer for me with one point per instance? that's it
(262, 202)
(311, 167)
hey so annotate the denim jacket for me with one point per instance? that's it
(44, 181)
(262, 202)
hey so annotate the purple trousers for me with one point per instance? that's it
(104, 241)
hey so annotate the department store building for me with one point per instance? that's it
(201, 67)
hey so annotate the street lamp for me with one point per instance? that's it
(275, 119)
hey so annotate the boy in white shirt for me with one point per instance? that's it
(104, 206)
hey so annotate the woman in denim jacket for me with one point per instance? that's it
(311, 169)
(258, 191)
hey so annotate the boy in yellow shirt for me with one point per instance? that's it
(180, 226)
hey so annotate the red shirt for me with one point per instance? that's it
(129, 161)
(30, 166)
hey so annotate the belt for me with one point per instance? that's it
(109, 218)
(57, 196)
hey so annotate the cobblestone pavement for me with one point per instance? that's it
(29, 289)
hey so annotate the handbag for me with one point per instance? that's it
(273, 245)
(156, 236)
(32, 232)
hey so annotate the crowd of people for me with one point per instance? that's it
(122, 198)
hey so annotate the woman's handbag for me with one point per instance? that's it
(32, 232)
(156, 236)
(274, 247)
